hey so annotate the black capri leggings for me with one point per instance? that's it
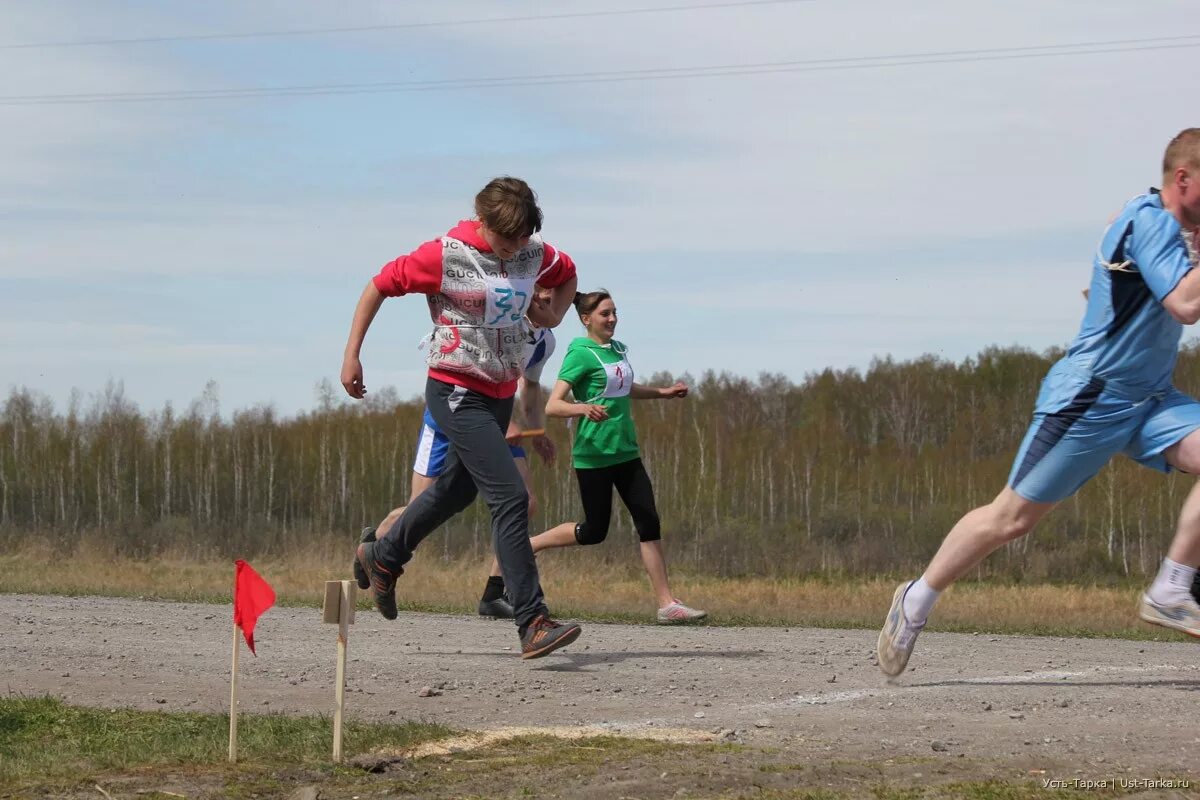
(633, 485)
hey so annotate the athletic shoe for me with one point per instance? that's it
(544, 635)
(1182, 615)
(500, 608)
(382, 580)
(360, 574)
(678, 614)
(898, 636)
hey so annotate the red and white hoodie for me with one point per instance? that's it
(477, 303)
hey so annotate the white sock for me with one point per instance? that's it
(919, 600)
(1173, 583)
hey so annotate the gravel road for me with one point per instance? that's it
(1099, 704)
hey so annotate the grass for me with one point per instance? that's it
(44, 742)
(965, 790)
(583, 587)
(48, 748)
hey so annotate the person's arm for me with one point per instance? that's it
(516, 421)
(532, 407)
(551, 314)
(527, 412)
(559, 406)
(640, 392)
(558, 275)
(1183, 303)
(1156, 246)
(534, 413)
(352, 371)
(418, 272)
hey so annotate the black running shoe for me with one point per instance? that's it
(544, 635)
(500, 608)
(383, 580)
(360, 574)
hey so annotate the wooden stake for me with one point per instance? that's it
(340, 598)
(233, 698)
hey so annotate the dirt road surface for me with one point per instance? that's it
(1099, 705)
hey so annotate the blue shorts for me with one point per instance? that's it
(432, 446)
(1081, 421)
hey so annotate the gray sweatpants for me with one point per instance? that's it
(478, 462)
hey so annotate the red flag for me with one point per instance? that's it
(251, 597)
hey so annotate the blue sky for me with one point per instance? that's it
(783, 222)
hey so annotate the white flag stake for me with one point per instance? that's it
(233, 689)
(340, 598)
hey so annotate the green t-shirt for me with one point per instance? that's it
(613, 441)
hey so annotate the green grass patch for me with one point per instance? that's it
(966, 790)
(43, 740)
(48, 748)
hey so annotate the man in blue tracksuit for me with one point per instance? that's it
(1111, 393)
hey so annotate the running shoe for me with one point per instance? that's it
(898, 636)
(544, 635)
(500, 608)
(679, 614)
(382, 580)
(1182, 615)
(360, 574)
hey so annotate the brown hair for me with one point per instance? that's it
(586, 302)
(1183, 151)
(509, 207)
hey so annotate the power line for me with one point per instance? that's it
(203, 37)
(615, 76)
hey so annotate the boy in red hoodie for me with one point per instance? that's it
(479, 282)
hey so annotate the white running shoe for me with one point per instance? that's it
(898, 636)
(1181, 615)
(677, 614)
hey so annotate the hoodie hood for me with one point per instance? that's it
(467, 231)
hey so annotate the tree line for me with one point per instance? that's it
(845, 472)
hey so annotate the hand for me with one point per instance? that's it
(352, 377)
(540, 300)
(539, 314)
(544, 447)
(513, 435)
(593, 412)
(680, 389)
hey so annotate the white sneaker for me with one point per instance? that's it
(677, 613)
(898, 636)
(1182, 615)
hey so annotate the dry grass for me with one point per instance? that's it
(581, 585)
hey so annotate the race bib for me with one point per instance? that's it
(507, 300)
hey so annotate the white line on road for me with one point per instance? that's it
(826, 698)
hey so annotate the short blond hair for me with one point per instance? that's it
(1183, 151)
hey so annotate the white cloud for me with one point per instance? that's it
(794, 164)
(48, 343)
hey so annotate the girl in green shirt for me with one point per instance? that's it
(605, 453)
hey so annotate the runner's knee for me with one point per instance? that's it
(1009, 527)
(649, 529)
(588, 533)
